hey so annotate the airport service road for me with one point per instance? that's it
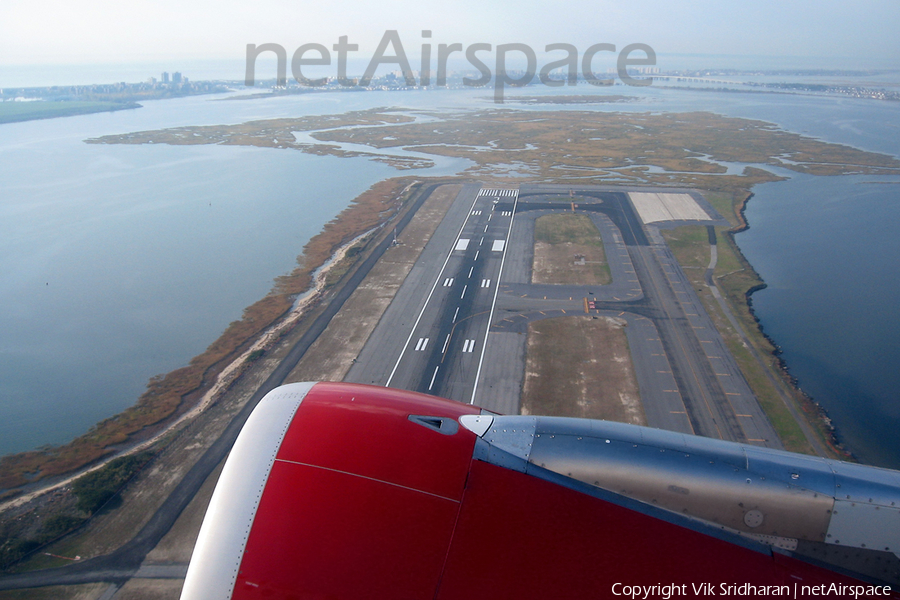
(432, 337)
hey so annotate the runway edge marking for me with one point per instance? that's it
(496, 291)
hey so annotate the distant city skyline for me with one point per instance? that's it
(54, 32)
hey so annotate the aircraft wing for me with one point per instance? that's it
(345, 491)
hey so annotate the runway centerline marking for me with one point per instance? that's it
(431, 385)
(431, 293)
(487, 330)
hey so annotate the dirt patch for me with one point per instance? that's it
(568, 250)
(581, 367)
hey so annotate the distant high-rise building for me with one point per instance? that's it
(176, 77)
(165, 77)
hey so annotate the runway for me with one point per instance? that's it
(444, 346)
(457, 325)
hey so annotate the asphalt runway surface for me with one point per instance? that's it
(457, 325)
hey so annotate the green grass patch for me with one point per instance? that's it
(567, 227)
(97, 488)
(568, 250)
(725, 204)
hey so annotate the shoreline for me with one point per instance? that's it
(819, 420)
(223, 381)
(295, 293)
(218, 377)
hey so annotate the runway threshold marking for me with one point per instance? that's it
(420, 345)
(431, 293)
(487, 330)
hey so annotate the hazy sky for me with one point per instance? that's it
(111, 31)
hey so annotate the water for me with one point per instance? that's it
(121, 262)
(828, 250)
